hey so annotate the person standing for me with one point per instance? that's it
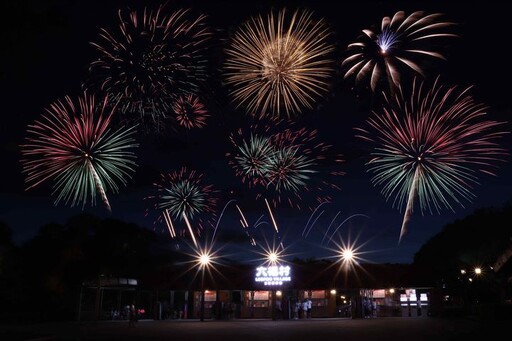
(305, 308)
(279, 310)
(310, 306)
(132, 316)
(367, 307)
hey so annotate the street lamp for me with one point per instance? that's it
(348, 259)
(204, 262)
(272, 258)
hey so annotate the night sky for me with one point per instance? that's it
(46, 55)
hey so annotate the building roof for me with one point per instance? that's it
(304, 275)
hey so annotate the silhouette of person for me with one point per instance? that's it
(132, 318)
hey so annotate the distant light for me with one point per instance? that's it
(462, 271)
(392, 291)
(347, 254)
(342, 297)
(471, 279)
(478, 271)
(344, 302)
(278, 293)
(204, 259)
(333, 292)
(272, 257)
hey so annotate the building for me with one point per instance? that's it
(273, 291)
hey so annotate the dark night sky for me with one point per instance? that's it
(46, 53)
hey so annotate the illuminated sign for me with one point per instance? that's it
(273, 275)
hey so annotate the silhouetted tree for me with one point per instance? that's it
(53, 264)
(478, 240)
(8, 271)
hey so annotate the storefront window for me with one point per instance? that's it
(257, 299)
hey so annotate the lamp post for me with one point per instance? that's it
(204, 261)
(347, 258)
(272, 259)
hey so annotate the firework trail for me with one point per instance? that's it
(279, 64)
(431, 147)
(243, 220)
(152, 58)
(168, 223)
(187, 222)
(401, 42)
(98, 184)
(329, 227)
(259, 221)
(220, 217)
(308, 228)
(272, 216)
(410, 205)
(245, 225)
(183, 196)
(74, 146)
(340, 224)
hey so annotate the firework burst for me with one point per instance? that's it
(279, 64)
(253, 155)
(400, 42)
(284, 165)
(302, 165)
(74, 146)
(184, 197)
(431, 147)
(190, 112)
(151, 59)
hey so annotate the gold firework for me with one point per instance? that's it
(279, 64)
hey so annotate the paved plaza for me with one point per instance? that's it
(391, 328)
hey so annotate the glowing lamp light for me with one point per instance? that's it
(391, 291)
(478, 271)
(278, 293)
(333, 292)
(272, 257)
(347, 255)
(462, 271)
(204, 259)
